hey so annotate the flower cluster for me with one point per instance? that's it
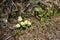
(23, 24)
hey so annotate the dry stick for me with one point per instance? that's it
(21, 5)
(14, 5)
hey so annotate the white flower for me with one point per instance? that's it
(27, 22)
(17, 25)
(20, 19)
(22, 23)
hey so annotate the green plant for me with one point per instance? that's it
(21, 24)
(39, 11)
(27, 23)
(49, 11)
(42, 13)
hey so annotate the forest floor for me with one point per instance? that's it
(48, 30)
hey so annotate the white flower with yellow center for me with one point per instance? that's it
(27, 22)
(17, 25)
(20, 19)
(22, 23)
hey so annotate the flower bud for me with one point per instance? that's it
(20, 19)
